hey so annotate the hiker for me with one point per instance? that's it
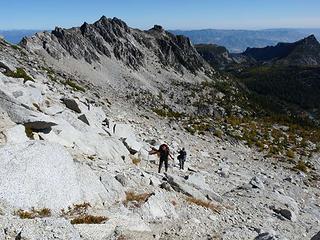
(114, 128)
(164, 153)
(106, 123)
(182, 158)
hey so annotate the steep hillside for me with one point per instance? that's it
(215, 55)
(80, 109)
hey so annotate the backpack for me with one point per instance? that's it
(164, 151)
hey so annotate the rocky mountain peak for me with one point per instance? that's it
(302, 52)
(112, 38)
(157, 28)
(311, 39)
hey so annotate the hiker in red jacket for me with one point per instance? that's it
(164, 153)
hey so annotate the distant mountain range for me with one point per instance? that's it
(284, 77)
(239, 40)
(15, 36)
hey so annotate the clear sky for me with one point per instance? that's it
(172, 14)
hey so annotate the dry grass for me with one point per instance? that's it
(139, 199)
(76, 209)
(136, 161)
(88, 219)
(290, 154)
(122, 237)
(301, 166)
(174, 203)
(34, 213)
(205, 204)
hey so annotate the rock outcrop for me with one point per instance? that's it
(112, 38)
(50, 177)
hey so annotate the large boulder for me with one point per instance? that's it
(119, 225)
(158, 208)
(43, 175)
(180, 185)
(29, 94)
(316, 237)
(125, 132)
(16, 134)
(49, 228)
(22, 114)
(72, 104)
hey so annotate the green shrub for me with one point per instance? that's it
(74, 85)
(301, 166)
(290, 153)
(218, 133)
(19, 73)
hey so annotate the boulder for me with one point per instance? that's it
(87, 140)
(22, 114)
(27, 94)
(266, 236)
(286, 213)
(198, 181)
(39, 125)
(256, 183)
(121, 178)
(16, 134)
(84, 119)
(48, 228)
(158, 208)
(50, 177)
(316, 237)
(7, 66)
(125, 132)
(180, 185)
(114, 189)
(72, 104)
(131, 226)
(53, 110)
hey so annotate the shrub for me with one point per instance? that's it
(204, 204)
(25, 214)
(34, 213)
(290, 153)
(136, 161)
(15, 47)
(89, 219)
(218, 133)
(29, 132)
(138, 198)
(301, 166)
(74, 85)
(190, 130)
(44, 212)
(19, 73)
(76, 209)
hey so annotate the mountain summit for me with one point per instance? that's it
(303, 52)
(112, 38)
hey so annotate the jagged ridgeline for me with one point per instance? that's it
(113, 38)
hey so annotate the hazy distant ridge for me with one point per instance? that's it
(15, 36)
(239, 40)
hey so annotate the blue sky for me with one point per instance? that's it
(172, 14)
